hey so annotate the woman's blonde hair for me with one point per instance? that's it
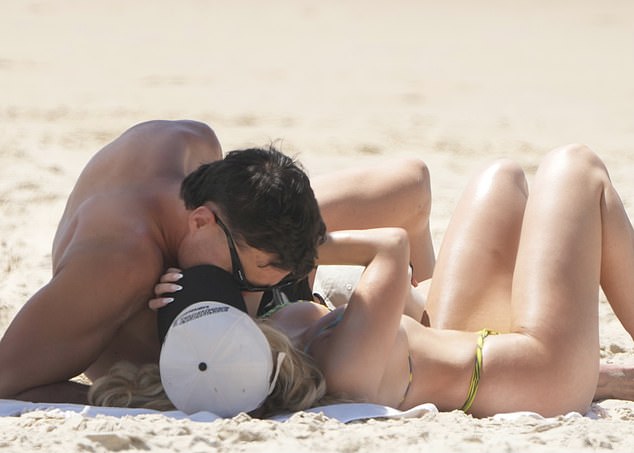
(300, 384)
(129, 385)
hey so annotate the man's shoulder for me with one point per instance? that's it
(110, 231)
(124, 216)
(186, 128)
(156, 148)
(125, 263)
(125, 244)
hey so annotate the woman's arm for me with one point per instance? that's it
(361, 247)
(353, 357)
(340, 250)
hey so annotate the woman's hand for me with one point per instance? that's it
(166, 285)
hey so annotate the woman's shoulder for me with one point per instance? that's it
(295, 318)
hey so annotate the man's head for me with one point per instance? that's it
(265, 202)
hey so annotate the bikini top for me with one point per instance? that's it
(331, 325)
(271, 311)
(273, 300)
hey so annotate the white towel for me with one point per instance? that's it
(343, 412)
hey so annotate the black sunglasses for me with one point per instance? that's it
(238, 271)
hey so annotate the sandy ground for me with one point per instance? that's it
(457, 83)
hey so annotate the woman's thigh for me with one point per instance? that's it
(471, 285)
(558, 266)
(555, 285)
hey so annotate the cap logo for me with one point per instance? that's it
(199, 313)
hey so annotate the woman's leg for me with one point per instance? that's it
(471, 286)
(394, 194)
(617, 281)
(575, 235)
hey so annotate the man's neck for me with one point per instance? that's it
(171, 220)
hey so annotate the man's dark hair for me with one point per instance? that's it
(266, 201)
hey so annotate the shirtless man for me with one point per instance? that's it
(125, 223)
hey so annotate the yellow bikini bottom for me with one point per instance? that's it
(477, 369)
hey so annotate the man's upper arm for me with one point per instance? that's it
(64, 327)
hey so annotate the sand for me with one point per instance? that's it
(457, 83)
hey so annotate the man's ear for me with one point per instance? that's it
(201, 217)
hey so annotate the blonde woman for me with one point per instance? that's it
(512, 303)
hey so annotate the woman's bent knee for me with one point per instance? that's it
(575, 164)
(503, 175)
(575, 156)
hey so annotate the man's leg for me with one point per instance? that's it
(615, 381)
(392, 194)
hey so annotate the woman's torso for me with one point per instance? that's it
(310, 327)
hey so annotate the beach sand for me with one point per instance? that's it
(338, 84)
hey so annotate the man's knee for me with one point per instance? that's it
(415, 174)
(412, 170)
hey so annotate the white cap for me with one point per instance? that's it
(215, 358)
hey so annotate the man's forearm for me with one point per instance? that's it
(615, 381)
(60, 392)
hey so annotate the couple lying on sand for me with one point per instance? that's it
(511, 305)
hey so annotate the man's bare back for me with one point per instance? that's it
(121, 228)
